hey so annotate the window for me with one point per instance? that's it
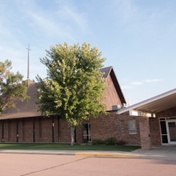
(132, 127)
(122, 127)
(163, 131)
(86, 133)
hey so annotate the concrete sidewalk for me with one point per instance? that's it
(156, 153)
(142, 154)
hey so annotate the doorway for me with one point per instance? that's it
(171, 131)
(86, 133)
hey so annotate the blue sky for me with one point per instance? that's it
(137, 38)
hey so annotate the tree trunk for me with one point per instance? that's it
(72, 134)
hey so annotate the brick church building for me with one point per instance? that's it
(151, 122)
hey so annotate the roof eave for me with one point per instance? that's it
(146, 102)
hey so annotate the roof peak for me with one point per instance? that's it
(106, 71)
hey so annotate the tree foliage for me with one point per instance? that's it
(11, 86)
(74, 85)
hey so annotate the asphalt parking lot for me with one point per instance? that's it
(15, 164)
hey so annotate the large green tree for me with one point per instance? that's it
(11, 86)
(74, 85)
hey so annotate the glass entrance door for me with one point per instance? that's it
(171, 128)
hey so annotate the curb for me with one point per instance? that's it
(73, 153)
(115, 155)
(147, 155)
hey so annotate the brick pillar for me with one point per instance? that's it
(144, 133)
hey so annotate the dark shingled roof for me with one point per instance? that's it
(29, 108)
(26, 108)
(106, 71)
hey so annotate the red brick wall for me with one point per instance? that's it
(28, 130)
(56, 137)
(107, 126)
(110, 95)
(102, 127)
(64, 131)
(12, 132)
(46, 130)
(6, 129)
(20, 130)
(35, 129)
(167, 113)
(2, 131)
(1, 122)
(155, 131)
(145, 133)
(79, 134)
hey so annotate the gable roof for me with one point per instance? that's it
(105, 71)
(26, 108)
(29, 108)
(155, 104)
(109, 71)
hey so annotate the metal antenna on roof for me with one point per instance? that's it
(28, 62)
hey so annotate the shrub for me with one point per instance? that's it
(121, 142)
(111, 141)
(98, 141)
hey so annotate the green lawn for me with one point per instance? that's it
(54, 146)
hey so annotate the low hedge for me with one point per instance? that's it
(108, 141)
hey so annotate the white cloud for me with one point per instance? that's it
(70, 14)
(152, 80)
(134, 84)
(49, 25)
(65, 22)
(126, 87)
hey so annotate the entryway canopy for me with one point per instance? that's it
(153, 105)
